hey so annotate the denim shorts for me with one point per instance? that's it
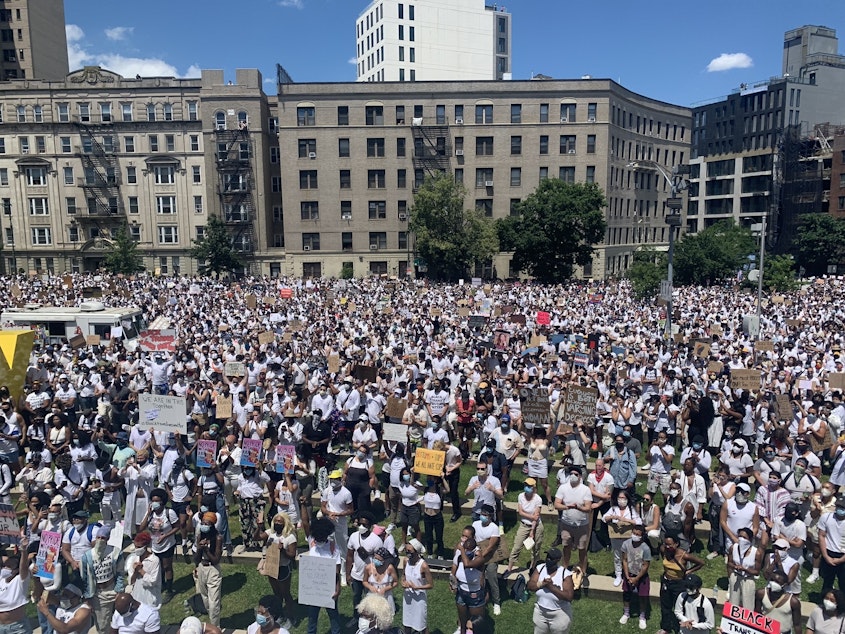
(469, 599)
(18, 627)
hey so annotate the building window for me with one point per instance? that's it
(168, 111)
(516, 177)
(591, 111)
(306, 116)
(105, 112)
(485, 205)
(484, 114)
(544, 173)
(591, 144)
(196, 174)
(133, 205)
(129, 144)
(164, 174)
(24, 144)
(516, 145)
(343, 115)
(193, 113)
(346, 241)
(220, 120)
(38, 207)
(459, 114)
(346, 210)
(567, 113)
(401, 32)
(168, 234)
(483, 175)
(274, 155)
(67, 172)
(309, 210)
(484, 146)
(307, 147)
(402, 239)
(514, 208)
(276, 184)
(151, 112)
(36, 176)
(200, 232)
(375, 179)
(567, 174)
(307, 179)
(153, 143)
(7, 206)
(343, 148)
(41, 236)
(345, 179)
(400, 147)
(459, 175)
(64, 142)
(378, 239)
(567, 144)
(401, 179)
(73, 233)
(126, 111)
(169, 143)
(375, 147)
(312, 269)
(374, 115)
(516, 113)
(135, 232)
(21, 114)
(84, 110)
(310, 241)
(377, 210)
(38, 114)
(63, 112)
(4, 177)
(162, 265)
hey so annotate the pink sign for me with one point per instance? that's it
(157, 340)
(251, 454)
(543, 318)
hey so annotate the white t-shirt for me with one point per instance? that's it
(579, 494)
(529, 506)
(658, 463)
(337, 502)
(144, 619)
(371, 543)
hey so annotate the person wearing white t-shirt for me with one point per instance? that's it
(73, 616)
(660, 456)
(336, 505)
(133, 617)
(361, 546)
(575, 501)
(321, 545)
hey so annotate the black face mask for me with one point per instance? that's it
(620, 446)
(551, 564)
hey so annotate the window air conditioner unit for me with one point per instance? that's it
(416, 121)
(25, 150)
(591, 119)
(373, 247)
(488, 183)
(459, 152)
(564, 119)
(312, 155)
(459, 120)
(403, 217)
(571, 152)
(306, 248)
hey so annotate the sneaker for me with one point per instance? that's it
(501, 529)
(712, 555)
(646, 467)
(586, 582)
(623, 619)
(642, 623)
(391, 527)
(343, 580)
(813, 577)
(497, 609)
(616, 583)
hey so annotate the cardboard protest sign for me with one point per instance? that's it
(395, 407)
(92, 340)
(543, 318)
(285, 458)
(266, 338)
(777, 299)
(15, 348)
(429, 462)
(715, 366)
(77, 341)
(701, 349)
(463, 311)
(157, 340)
(435, 312)
(10, 530)
(365, 373)
(269, 300)
(251, 453)
(794, 323)
(580, 403)
(224, 407)
(784, 406)
(535, 411)
(716, 329)
(764, 345)
(234, 368)
(745, 380)
(536, 341)
(206, 453)
(48, 555)
(313, 575)
(296, 324)
(333, 363)
(163, 413)
(250, 301)
(837, 380)
(272, 560)
(476, 322)
(517, 319)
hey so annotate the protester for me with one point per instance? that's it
(73, 615)
(636, 560)
(778, 604)
(416, 582)
(693, 611)
(132, 616)
(553, 586)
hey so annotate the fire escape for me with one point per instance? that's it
(100, 181)
(236, 185)
(432, 150)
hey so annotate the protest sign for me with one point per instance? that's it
(395, 407)
(333, 362)
(715, 367)
(365, 373)
(162, 413)
(837, 380)
(701, 349)
(794, 323)
(581, 359)
(224, 407)
(206, 453)
(476, 322)
(517, 319)
(15, 348)
(48, 555)
(580, 403)
(745, 380)
(157, 340)
(77, 341)
(535, 410)
(429, 462)
(764, 345)
(463, 311)
(92, 340)
(394, 432)
(739, 620)
(784, 406)
(285, 458)
(266, 337)
(250, 301)
(10, 530)
(543, 318)
(272, 560)
(536, 341)
(316, 581)
(234, 368)
(435, 312)
(251, 453)
(501, 339)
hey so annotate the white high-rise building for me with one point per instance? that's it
(433, 40)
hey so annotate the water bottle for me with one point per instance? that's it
(716, 592)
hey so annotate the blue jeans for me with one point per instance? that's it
(221, 508)
(313, 615)
(43, 623)
(23, 627)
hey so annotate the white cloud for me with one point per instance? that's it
(353, 61)
(79, 56)
(293, 4)
(729, 61)
(118, 33)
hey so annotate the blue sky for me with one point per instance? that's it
(682, 53)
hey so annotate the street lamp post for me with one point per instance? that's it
(762, 228)
(677, 184)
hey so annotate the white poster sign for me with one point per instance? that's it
(162, 413)
(317, 581)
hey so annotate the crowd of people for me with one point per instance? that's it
(675, 444)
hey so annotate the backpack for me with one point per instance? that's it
(672, 524)
(519, 590)
(700, 609)
(90, 532)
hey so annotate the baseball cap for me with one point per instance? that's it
(742, 486)
(554, 553)
(191, 625)
(531, 482)
(781, 543)
(337, 474)
(692, 581)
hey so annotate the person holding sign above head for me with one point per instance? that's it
(323, 545)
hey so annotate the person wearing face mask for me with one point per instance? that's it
(553, 586)
(744, 563)
(162, 524)
(623, 465)
(529, 532)
(620, 520)
(771, 502)
(268, 617)
(738, 512)
(836, 456)
(139, 474)
(322, 544)
(488, 537)
(793, 530)
(829, 617)
(737, 460)
(101, 572)
(635, 557)
(694, 612)
(821, 503)
(376, 616)
(252, 484)
(467, 580)
(801, 449)
(509, 442)
(416, 582)
(767, 463)
(434, 432)
(73, 615)
(77, 540)
(336, 505)
(660, 456)
(143, 571)
(801, 484)
(360, 548)
(208, 578)
(678, 516)
(380, 575)
(132, 616)
(360, 477)
(14, 583)
(781, 562)
(282, 536)
(678, 564)
(831, 538)
(574, 501)
(229, 463)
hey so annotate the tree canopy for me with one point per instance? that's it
(648, 269)
(449, 237)
(555, 230)
(123, 256)
(214, 252)
(819, 241)
(715, 253)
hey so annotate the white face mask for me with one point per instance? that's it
(574, 479)
(65, 604)
(5, 573)
(774, 586)
(363, 624)
(829, 605)
(99, 545)
(743, 543)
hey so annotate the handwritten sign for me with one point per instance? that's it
(157, 340)
(517, 319)
(316, 581)
(580, 403)
(92, 340)
(162, 413)
(784, 406)
(296, 324)
(429, 462)
(206, 453)
(77, 341)
(837, 380)
(224, 407)
(285, 458)
(435, 312)
(272, 560)
(739, 620)
(251, 454)
(48, 554)
(394, 432)
(794, 323)
(535, 411)
(701, 349)
(396, 407)
(477, 322)
(250, 301)
(365, 373)
(234, 368)
(764, 345)
(745, 380)
(543, 318)
(10, 531)
(715, 367)
(266, 337)
(333, 363)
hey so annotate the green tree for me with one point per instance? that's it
(715, 253)
(555, 229)
(819, 240)
(779, 273)
(648, 269)
(123, 256)
(214, 252)
(449, 237)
